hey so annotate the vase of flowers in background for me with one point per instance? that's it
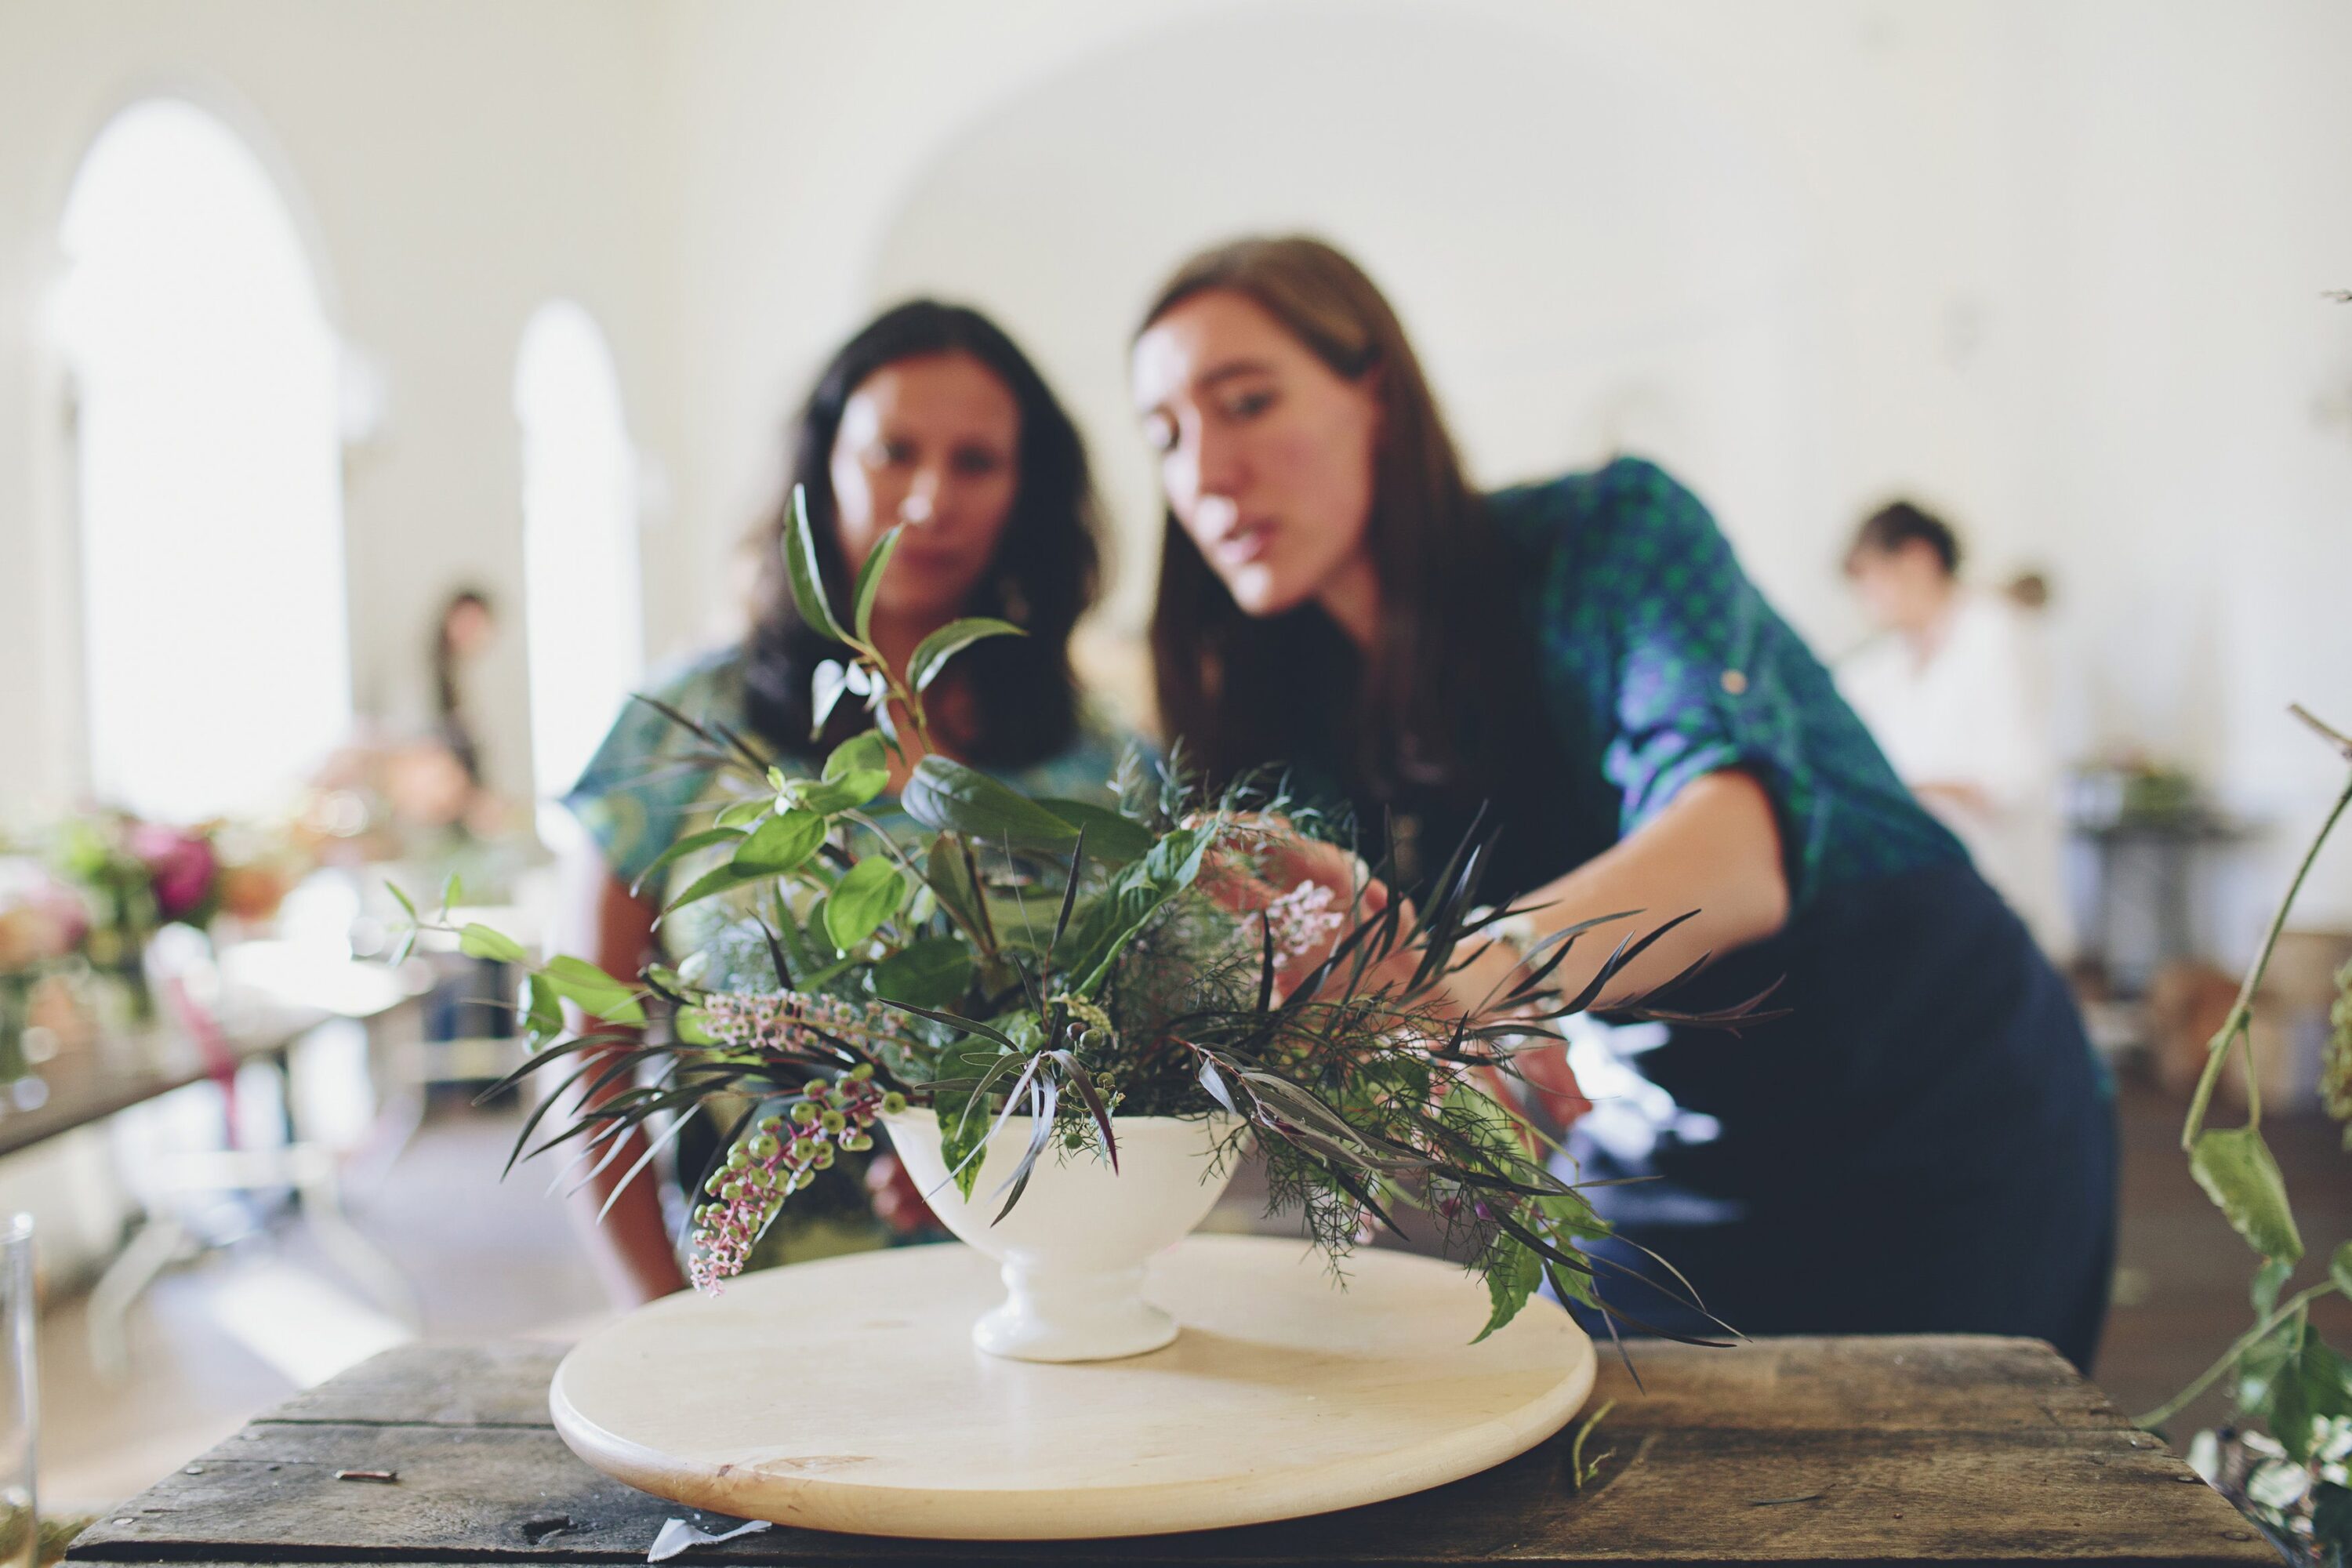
(1069, 1018)
(120, 879)
(42, 927)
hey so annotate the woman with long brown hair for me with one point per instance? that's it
(1920, 1141)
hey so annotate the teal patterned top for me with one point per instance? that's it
(1662, 663)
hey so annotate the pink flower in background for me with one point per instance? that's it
(40, 918)
(182, 865)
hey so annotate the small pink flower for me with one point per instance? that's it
(181, 864)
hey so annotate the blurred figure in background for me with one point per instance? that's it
(1953, 688)
(466, 629)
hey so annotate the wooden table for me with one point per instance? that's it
(1944, 1450)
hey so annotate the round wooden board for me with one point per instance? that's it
(847, 1396)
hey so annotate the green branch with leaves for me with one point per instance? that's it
(2283, 1458)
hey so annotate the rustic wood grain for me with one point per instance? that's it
(1794, 1451)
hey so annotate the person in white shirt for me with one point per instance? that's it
(1952, 690)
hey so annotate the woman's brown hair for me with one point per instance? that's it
(1024, 697)
(1431, 706)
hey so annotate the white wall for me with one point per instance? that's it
(455, 164)
(2055, 267)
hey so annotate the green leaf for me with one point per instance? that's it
(542, 1009)
(2269, 1279)
(949, 875)
(868, 894)
(964, 1125)
(931, 654)
(819, 937)
(779, 845)
(2289, 1414)
(740, 814)
(2339, 1268)
(2235, 1168)
(1513, 1272)
(679, 851)
(1113, 839)
(869, 582)
(689, 1027)
(945, 795)
(932, 972)
(598, 993)
(1136, 894)
(717, 880)
(450, 890)
(807, 577)
(401, 898)
(482, 942)
(2327, 1379)
(858, 770)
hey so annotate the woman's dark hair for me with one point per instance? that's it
(1899, 523)
(448, 700)
(1439, 699)
(1023, 697)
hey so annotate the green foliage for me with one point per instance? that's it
(2235, 1168)
(807, 576)
(1111, 838)
(948, 797)
(964, 1109)
(691, 843)
(482, 942)
(934, 972)
(2283, 1459)
(932, 654)
(866, 895)
(858, 770)
(869, 582)
(597, 993)
(1067, 963)
(779, 845)
(1136, 894)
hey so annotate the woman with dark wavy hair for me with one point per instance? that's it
(930, 419)
(1921, 1142)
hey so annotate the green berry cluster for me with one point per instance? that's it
(776, 1158)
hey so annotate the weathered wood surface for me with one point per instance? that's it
(1787, 1451)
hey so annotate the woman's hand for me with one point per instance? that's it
(1311, 892)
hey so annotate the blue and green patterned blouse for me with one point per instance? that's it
(1661, 663)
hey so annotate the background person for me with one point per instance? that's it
(1953, 689)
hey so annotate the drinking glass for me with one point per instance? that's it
(19, 1403)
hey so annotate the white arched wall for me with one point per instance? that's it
(443, 204)
(1589, 255)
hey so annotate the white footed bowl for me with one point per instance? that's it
(1074, 1249)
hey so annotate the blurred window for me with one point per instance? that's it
(584, 625)
(216, 660)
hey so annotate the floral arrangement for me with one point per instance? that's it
(986, 954)
(2284, 1456)
(89, 894)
